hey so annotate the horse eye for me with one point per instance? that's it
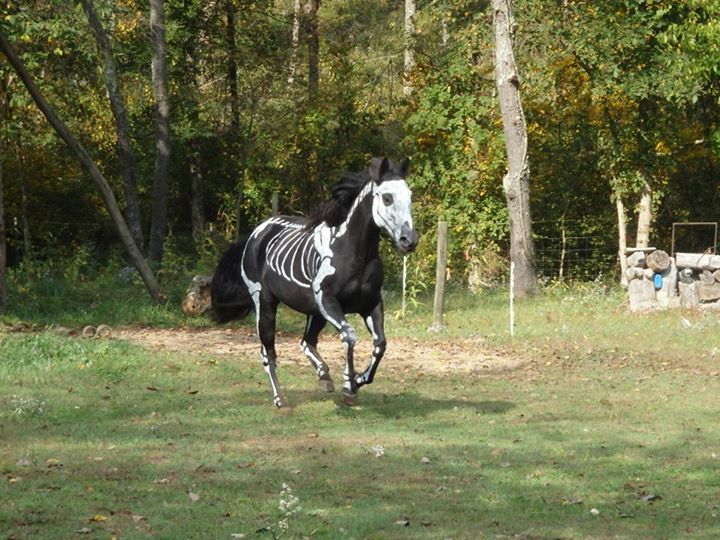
(387, 199)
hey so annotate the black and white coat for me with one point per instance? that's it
(325, 267)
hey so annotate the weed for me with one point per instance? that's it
(27, 406)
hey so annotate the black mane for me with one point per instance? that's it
(335, 211)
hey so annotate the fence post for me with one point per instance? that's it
(404, 285)
(440, 271)
(512, 298)
(275, 203)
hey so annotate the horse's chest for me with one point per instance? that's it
(362, 285)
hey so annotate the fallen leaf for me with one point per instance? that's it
(52, 462)
(574, 500)
(405, 522)
(151, 388)
(23, 463)
(237, 535)
(194, 497)
(650, 497)
(594, 511)
(98, 518)
(137, 518)
(425, 460)
(192, 392)
(162, 481)
(84, 530)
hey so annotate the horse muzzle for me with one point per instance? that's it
(408, 240)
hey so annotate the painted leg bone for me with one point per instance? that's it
(309, 348)
(266, 332)
(269, 363)
(375, 324)
(333, 313)
(349, 391)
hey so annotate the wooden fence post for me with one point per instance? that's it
(440, 272)
(275, 203)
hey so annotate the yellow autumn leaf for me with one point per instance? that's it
(661, 149)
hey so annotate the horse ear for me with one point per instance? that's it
(378, 168)
(405, 167)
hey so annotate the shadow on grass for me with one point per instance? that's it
(405, 404)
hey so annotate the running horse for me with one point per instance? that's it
(325, 266)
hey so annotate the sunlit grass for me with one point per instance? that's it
(102, 437)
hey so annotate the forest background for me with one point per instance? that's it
(621, 100)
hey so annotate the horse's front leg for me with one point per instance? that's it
(375, 322)
(333, 313)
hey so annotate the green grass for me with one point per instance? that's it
(609, 411)
(102, 437)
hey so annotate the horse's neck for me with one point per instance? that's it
(358, 234)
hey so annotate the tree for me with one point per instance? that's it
(517, 180)
(103, 187)
(158, 224)
(295, 42)
(313, 50)
(409, 46)
(3, 244)
(126, 153)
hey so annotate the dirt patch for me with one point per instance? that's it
(438, 356)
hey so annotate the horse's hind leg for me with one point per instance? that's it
(315, 323)
(266, 332)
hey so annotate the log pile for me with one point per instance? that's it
(197, 298)
(699, 280)
(652, 280)
(658, 281)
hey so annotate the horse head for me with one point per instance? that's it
(392, 201)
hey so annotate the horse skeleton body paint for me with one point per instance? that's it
(325, 267)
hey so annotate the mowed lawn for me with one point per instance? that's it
(596, 434)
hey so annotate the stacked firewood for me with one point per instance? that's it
(699, 280)
(652, 279)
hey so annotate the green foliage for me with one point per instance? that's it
(615, 94)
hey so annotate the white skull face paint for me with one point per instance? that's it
(391, 210)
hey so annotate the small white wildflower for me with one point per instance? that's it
(289, 503)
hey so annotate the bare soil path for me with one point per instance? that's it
(442, 355)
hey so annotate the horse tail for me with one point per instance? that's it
(230, 296)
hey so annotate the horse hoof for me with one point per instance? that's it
(326, 385)
(348, 399)
(281, 403)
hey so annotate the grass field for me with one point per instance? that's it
(607, 428)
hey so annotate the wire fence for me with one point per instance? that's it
(578, 258)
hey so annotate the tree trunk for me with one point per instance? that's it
(3, 248)
(622, 239)
(103, 188)
(409, 46)
(516, 183)
(644, 216)
(197, 205)
(295, 42)
(313, 50)
(126, 154)
(232, 67)
(162, 132)
(27, 239)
